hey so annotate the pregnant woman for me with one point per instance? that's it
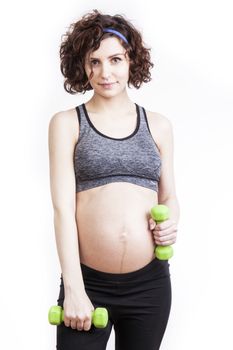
(111, 161)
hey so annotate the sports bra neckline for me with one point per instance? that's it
(109, 137)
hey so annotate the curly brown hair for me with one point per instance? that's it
(85, 35)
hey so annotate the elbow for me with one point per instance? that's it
(168, 197)
(64, 210)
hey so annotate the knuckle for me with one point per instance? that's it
(79, 326)
(160, 238)
(80, 317)
(73, 325)
(88, 318)
(79, 322)
(67, 321)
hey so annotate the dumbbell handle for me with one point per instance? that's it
(99, 316)
(160, 213)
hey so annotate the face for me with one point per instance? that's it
(108, 68)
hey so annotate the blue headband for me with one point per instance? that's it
(109, 30)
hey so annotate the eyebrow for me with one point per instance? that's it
(116, 54)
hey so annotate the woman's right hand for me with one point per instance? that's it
(77, 311)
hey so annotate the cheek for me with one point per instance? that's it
(89, 73)
(123, 72)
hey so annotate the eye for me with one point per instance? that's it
(116, 59)
(94, 62)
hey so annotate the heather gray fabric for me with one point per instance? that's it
(100, 159)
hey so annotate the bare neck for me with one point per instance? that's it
(116, 105)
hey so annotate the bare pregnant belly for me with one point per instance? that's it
(113, 228)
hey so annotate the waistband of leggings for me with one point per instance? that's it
(125, 276)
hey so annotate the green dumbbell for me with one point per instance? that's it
(160, 213)
(99, 316)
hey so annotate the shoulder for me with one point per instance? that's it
(64, 122)
(158, 120)
(160, 126)
(64, 118)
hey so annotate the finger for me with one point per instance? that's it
(79, 325)
(67, 322)
(165, 225)
(166, 231)
(171, 239)
(165, 236)
(152, 224)
(73, 324)
(166, 243)
(87, 325)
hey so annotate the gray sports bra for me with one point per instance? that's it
(100, 159)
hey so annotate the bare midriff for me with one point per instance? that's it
(113, 227)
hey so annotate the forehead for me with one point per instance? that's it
(108, 47)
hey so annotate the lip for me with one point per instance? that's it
(107, 85)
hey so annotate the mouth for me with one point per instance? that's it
(107, 85)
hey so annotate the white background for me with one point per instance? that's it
(192, 85)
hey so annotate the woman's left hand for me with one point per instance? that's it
(164, 233)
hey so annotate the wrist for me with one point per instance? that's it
(73, 285)
(74, 289)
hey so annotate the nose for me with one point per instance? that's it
(105, 71)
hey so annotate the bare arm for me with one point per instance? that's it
(62, 138)
(166, 233)
(167, 190)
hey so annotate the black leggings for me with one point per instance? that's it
(138, 304)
